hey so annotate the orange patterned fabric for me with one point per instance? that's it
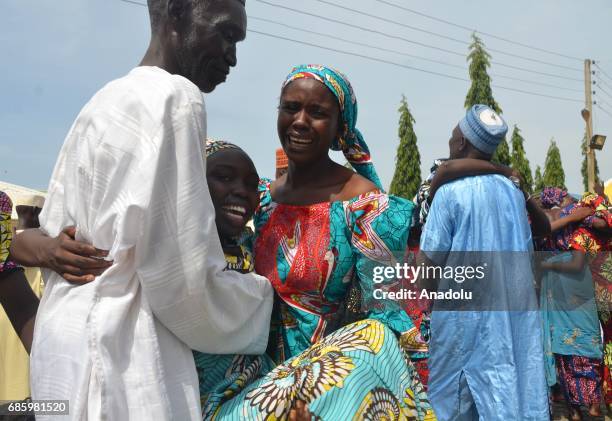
(281, 159)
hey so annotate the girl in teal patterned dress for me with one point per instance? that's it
(232, 181)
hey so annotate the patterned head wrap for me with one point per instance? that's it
(244, 262)
(552, 196)
(212, 146)
(6, 232)
(351, 142)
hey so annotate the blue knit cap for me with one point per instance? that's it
(483, 128)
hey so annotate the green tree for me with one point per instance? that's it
(583, 168)
(538, 180)
(480, 91)
(519, 159)
(407, 176)
(554, 176)
(502, 154)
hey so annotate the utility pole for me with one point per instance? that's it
(588, 118)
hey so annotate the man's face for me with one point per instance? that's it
(206, 37)
(456, 144)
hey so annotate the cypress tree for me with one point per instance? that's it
(519, 159)
(538, 180)
(583, 168)
(407, 176)
(480, 91)
(554, 176)
(502, 154)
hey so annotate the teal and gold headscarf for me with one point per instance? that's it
(351, 142)
(212, 146)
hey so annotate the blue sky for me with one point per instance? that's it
(57, 54)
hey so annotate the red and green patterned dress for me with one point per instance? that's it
(314, 255)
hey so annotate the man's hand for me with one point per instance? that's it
(77, 262)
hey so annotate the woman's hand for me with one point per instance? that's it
(573, 218)
(581, 213)
(77, 262)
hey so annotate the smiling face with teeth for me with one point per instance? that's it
(232, 181)
(308, 121)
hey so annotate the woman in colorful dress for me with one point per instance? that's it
(571, 294)
(232, 182)
(594, 236)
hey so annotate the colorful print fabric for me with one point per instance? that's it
(311, 254)
(357, 373)
(6, 232)
(601, 266)
(580, 379)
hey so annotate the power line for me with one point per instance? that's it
(335, 50)
(376, 47)
(382, 19)
(350, 25)
(599, 100)
(535, 83)
(406, 66)
(604, 91)
(535, 71)
(602, 72)
(389, 62)
(604, 110)
(476, 30)
(601, 81)
(414, 28)
(386, 34)
(134, 2)
(362, 44)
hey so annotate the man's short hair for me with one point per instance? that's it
(157, 10)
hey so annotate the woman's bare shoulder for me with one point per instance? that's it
(355, 186)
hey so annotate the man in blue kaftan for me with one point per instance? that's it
(487, 358)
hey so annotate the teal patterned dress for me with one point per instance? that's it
(314, 255)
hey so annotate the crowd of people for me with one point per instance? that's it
(179, 284)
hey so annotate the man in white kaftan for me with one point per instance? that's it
(131, 177)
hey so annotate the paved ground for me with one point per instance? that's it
(560, 413)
